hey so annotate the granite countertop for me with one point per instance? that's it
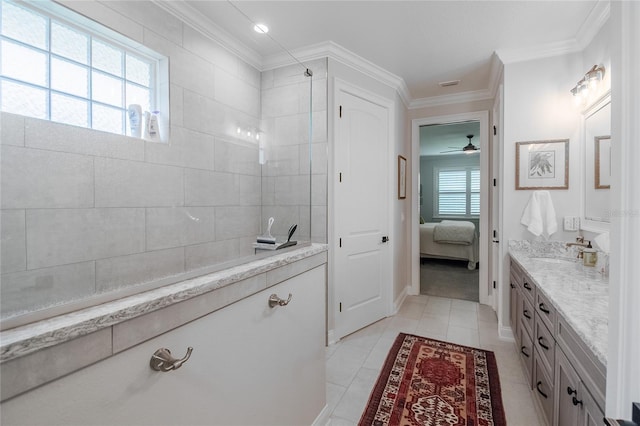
(579, 293)
(23, 340)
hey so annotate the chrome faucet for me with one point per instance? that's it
(580, 244)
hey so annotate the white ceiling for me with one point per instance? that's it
(421, 42)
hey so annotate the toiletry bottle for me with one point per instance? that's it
(589, 256)
(151, 132)
(134, 113)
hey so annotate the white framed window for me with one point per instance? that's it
(457, 191)
(58, 65)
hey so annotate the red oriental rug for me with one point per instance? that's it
(429, 382)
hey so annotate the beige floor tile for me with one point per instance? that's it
(433, 325)
(355, 399)
(438, 306)
(412, 310)
(420, 298)
(378, 354)
(464, 304)
(344, 364)
(463, 318)
(462, 336)
(337, 421)
(487, 314)
(518, 405)
(334, 395)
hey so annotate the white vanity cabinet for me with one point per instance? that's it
(567, 380)
(251, 365)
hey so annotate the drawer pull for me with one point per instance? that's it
(512, 286)
(571, 391)
(526, 314)
(542, 393)
(162, 360)
(540, 340)
(543, 308)
(523, 352)
(575, 401)
(274, 301)
(527, 286)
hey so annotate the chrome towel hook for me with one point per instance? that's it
(274, 301)
(162, 360)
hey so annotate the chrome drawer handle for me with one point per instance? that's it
(527, 286)
(523, 352)
(274, 300)
(162, 360)
(526, 314)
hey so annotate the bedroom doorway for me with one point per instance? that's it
(449, 236)
(450, 210)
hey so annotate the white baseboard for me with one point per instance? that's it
(331, 337)
(400, 300)
(506, 333)
(323, 419)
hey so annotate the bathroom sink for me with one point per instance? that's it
(555, 259)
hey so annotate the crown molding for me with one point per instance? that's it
(588, 30)
(183, 11)
(329, 49)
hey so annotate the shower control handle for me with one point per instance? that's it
(274, 300)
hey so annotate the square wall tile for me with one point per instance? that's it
(40, 288)
(61, 236)
(203, 114)
(33, 178)
(179, 226)
(13, 255)
(122, 183)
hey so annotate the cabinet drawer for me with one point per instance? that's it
(526, 315)
(545, 310)
(543, 386)
(525, 346)
(528, 288)
(592, 372)
(545, 343)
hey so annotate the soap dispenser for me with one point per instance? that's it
(590, 256)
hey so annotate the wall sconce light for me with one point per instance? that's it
(587, 83)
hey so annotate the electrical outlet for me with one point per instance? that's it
(571, 223)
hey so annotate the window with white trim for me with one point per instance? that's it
(58, 67)
(457, 191)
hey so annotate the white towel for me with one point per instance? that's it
(539, 216)
(602, 241)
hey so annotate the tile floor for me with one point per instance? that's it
(353, 364)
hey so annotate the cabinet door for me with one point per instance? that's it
(590, 415)
(513, 306)
(567, 387)
(525, 346)
(543, 386)
(251, 365)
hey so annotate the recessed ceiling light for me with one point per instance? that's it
(449, 83)
(261, 28)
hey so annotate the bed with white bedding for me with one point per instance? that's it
(450, 239)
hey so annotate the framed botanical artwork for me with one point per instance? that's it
(602, 165)
(542, 164)
(402, 177)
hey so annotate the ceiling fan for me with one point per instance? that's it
(467, 149)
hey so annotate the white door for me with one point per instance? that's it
(362, 256)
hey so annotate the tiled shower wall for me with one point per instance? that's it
(289, 193)
(86, 212)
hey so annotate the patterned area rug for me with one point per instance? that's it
(429, 382)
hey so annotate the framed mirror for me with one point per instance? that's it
(597, 166)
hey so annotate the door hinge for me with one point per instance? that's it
(495, 182)
(495, 131)
(340, 111)
(495, 233)
(494, 284)
(340, 308)
(340, 177)
(339, 242)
